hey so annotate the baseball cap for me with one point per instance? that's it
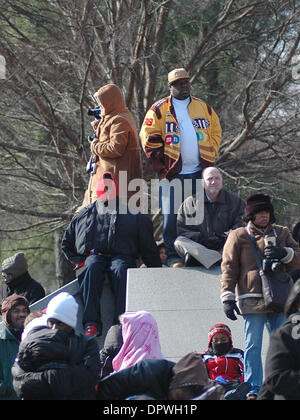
(177, 74)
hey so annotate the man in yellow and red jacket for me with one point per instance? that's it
(181, 136)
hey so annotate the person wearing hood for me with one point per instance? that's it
(54, 362)
(111, 347)
(18, 280)
(225, 363)
(140, 340)
(116, 145)
(106, 237)
(282, 366)
(161, 380)
(14, 311)
(241, 278)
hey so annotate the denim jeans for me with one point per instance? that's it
(91, 281)
(253, 328)
(170, 199)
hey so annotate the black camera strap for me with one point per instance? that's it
(257, 253)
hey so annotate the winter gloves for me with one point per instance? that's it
(230, 307)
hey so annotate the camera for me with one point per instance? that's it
(271, 265)
(95, 112)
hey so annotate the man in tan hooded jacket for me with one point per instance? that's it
(116, 145)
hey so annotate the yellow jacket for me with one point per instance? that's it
(160, 135)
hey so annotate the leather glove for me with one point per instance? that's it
(230, 307)
(272, 252)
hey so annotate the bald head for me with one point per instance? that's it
(213, 182)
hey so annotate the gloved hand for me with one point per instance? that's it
(229, 307)
(272, 252)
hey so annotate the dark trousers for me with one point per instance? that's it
(170, 207)
(91, 282)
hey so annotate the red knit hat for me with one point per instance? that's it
(217, 329)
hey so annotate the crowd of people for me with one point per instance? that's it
(41, 354)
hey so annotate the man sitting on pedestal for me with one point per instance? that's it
(106, 237)
(202, 243)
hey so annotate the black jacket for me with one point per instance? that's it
(112, 345)
(52, 365)
(282, 369)
(24, 285)
(111, 233)
(150, 377)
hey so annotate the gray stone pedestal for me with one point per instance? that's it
(185, 303)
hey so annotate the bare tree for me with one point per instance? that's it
(59, 52)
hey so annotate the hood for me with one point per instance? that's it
(110, 99)
(9, 303)
(190, 370)
(141, 340)
(114, 339)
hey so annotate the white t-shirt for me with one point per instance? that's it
(188, 138)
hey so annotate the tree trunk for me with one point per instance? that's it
(64, 269)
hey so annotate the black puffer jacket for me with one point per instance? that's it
(111, 233)
(150, 377)
(52, 365)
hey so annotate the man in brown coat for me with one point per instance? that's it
(201, 242)
(240, 278)
(116, 146)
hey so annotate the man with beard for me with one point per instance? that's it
(202, 243)
(14, 311)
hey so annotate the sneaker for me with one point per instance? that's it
(91, 331)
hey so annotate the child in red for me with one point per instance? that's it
(225, 363)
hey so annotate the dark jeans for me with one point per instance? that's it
(91, 282)
(170, 199)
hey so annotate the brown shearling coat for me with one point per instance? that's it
(116, 144)
(240, 276)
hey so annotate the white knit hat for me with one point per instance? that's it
(63, 307)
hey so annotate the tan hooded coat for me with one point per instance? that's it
(116, 144)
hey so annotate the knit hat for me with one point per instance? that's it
(107, 182)
(15, 265)
(177, 74)
(256, 203)
(64, 308)
(219, 328)
(9, 303)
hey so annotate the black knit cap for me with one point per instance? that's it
(256, 203)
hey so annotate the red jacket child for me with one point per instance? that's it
(222, 360)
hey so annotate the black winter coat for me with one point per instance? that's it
(150, 377)
(52, 365)
(110, 233)
(24, 285)
(282, 369)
